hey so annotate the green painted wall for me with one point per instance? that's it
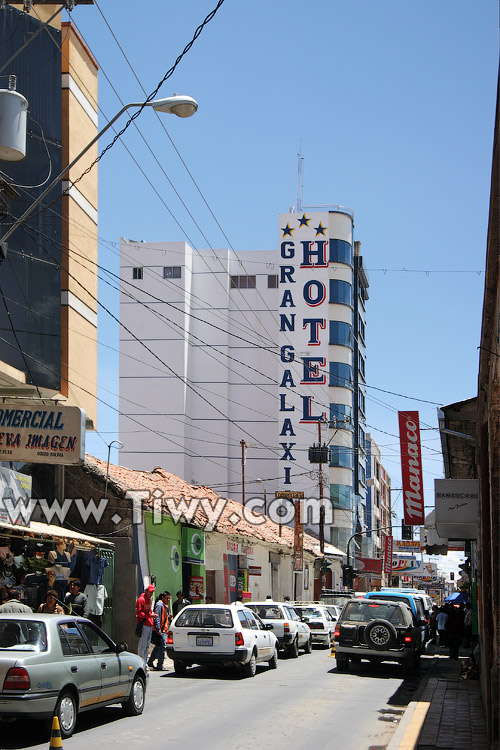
(164, 553)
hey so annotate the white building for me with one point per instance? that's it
(230, 360)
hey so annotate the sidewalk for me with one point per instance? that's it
(446, 714)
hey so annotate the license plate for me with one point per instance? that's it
(204, 640)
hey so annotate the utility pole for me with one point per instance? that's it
(243, 459)
(321, 506)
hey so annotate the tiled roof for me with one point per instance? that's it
(230, 521)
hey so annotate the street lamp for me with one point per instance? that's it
(261, 481)
(179, 105)
(120, 445)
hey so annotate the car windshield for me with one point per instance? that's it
(267, 611)
(22, 635)
(312, 612)
(364, 611)
(194, 617)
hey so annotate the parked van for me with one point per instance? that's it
(413, 601)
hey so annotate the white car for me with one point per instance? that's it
(320, 621)
(292, 632)
(223, 634)
(334, 610)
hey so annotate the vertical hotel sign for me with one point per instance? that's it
(298, 539)
(303, 316)
(411, 468)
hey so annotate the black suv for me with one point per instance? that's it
(378, 631)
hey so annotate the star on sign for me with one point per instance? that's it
(303, 222)
(320, 229)
(287, 230)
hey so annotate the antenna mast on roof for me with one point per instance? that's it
(299, 179)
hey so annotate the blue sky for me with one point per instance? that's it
(392, 105)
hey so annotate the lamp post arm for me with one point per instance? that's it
(66, 169)
(360, 533)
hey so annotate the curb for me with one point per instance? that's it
(410, 727)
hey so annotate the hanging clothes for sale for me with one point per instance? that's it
(96, 565)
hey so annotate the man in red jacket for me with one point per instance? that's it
(145, 615)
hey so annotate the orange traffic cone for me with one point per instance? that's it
(55, 735)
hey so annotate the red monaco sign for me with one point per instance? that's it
(411, 468)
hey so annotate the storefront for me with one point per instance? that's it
(41, 556)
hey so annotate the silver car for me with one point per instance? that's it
(56, 665)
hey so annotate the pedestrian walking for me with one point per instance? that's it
(467, 625)
(433, 623)
(455, 630)
(441, 618)
(160, 627)
(13, 605)
(145, 621)
(179, 603)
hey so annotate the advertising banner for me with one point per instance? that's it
(402, 545)
(457, 508)
(15, 491)
(42, 433)
(298, 539)
(196, 588)
(415, 568)
(193, 546)
(368, 565)
(230, 578)
(411, 468)
(388, 555)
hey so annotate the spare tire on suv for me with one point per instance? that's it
(377, 630)
(380, 634)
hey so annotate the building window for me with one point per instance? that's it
(340, 375)
(340, 252)
(341, 292)
(340, 333)
(341, 416)
(341, 495)
(243, 282)
(137, 272)
(272, 281)
(172, 272)
(341, 456)
(362, 401)
(361, 437)
(361, 365)
(361, 328)
(362, 473)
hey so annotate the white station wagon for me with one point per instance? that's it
(223, 634)
(292, 633)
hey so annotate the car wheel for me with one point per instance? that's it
(134, 705)
(273, 663)
(342, 663)
(66, 712)
(293, 648)
(308, 647)
(250, 668)
(179, 668)
(380, 635)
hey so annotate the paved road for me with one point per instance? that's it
(305, 703)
